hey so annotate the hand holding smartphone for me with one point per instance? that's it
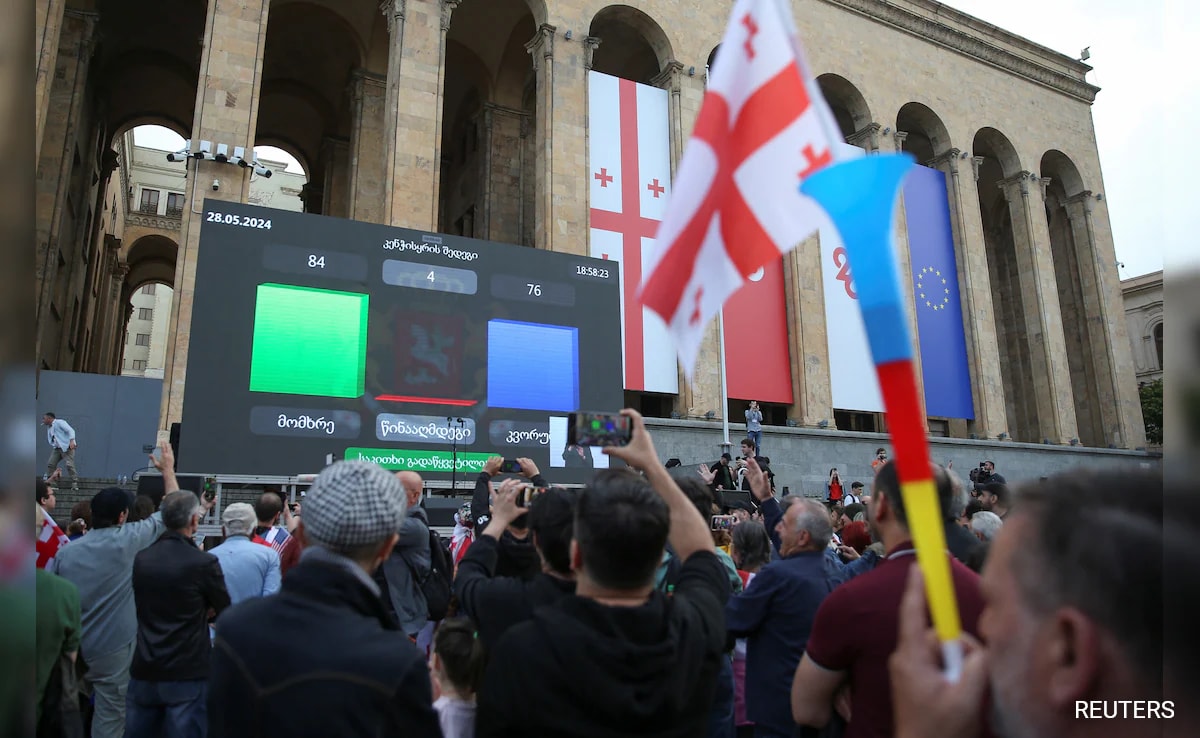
(510, 466)
(598, 429)
(527, 494)
(723, 522)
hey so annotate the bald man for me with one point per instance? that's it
(409, 561)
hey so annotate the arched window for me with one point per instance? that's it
(1158, 343)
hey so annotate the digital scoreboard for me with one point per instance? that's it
(314, 335)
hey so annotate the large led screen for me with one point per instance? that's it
(313, 336)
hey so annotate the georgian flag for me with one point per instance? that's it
(629, 174)
(50, 539)
(762, 129)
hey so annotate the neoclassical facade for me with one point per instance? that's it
(1143, 297)
(470, 117)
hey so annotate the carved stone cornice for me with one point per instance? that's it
(1086, 198)
(668, 78)
(1014, 185)
(898, 138)
(359, 80)
(541, 46)
(946, 162)
(1044, 182)
(153, 221)
(866, 138)
(976, 163)
(393, 12)
(972, 46)
(448, 7)
(590, 44)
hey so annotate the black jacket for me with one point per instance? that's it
(174, 586)
(580, 668)
(961, 542)
(321, 658)
(495, 603)
(517, 556)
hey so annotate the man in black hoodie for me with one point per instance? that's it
(498, 603)
(516, 555)
(618, 658)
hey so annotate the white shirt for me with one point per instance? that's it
(60, 434)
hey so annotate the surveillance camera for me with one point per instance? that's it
(262, 171)
(216, 185)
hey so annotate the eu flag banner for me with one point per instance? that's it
(944, 369)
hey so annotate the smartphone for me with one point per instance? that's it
(526, 495)
(598, 429)
(723, 522)
(510, 466)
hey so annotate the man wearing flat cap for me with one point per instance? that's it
(348, 669)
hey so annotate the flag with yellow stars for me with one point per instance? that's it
(944, 369)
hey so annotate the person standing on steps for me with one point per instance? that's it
(754, 418)
(61, 436)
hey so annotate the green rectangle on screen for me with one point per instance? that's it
(309, 341)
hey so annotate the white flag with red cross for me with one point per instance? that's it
(763, 128)
(629, 159)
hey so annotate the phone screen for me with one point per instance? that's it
(510, 466)
(598, 429)
(527, 495)
(723, 522)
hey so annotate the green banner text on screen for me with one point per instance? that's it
(418, 461)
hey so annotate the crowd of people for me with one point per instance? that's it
(651, 602)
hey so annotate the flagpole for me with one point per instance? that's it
(724, 383)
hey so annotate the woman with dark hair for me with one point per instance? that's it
(751, 551)
(457, 668)
(81, 519)
(834, 488)
(142, 508)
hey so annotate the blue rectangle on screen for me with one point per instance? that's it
(944, 369)
(532, 366)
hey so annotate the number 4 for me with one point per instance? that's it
(430, 277)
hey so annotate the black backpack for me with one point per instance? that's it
(436, 584)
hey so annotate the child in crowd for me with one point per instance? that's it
(457, 667)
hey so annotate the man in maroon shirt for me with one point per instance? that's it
(857, 657)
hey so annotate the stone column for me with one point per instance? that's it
(895, 144)
(541, 50)
(368, 146)
(1119, 403)
(226, 112)
(974, 282)
(1043, 317)
(500, 199)
(336, 155)
(413, 129)
(47, 26)
(108, 291)
(116, 326)
(812, 384)
(77, 42)
(670, 79)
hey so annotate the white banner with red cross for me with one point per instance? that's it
(629, 172)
